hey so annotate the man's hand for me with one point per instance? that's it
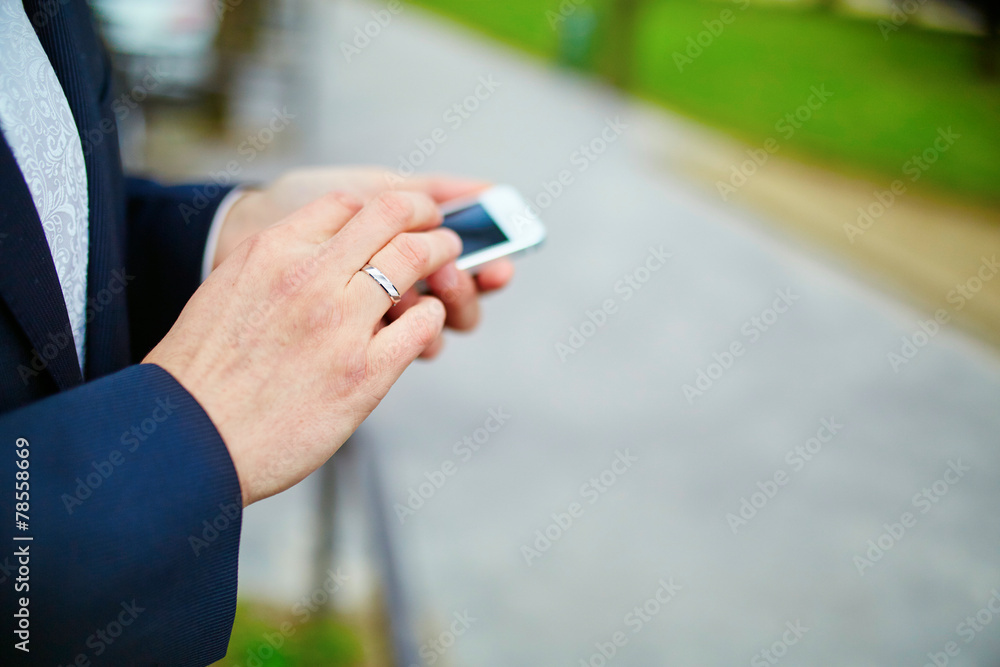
(284, 345)
(259, 209)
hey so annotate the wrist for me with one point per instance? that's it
(245, 217)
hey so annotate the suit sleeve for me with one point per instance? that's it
(167, 230)
(133, 510)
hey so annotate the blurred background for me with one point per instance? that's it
(586, 486)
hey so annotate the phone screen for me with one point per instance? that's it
(477, 229)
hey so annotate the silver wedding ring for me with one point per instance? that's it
(386, 284)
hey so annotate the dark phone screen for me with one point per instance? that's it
(476, 227)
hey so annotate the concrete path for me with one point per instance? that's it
(701, 458)
(917, 246)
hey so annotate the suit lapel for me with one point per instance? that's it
(81, 64)
(28, 280)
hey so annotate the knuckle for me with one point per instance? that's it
(260, 243)
(396, 208)
(414, 250)
(353, 363)
(289, 280)
(292, 277)
(322, 319)
(259, 250)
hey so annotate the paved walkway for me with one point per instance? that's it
(700, 458)
(916, 246)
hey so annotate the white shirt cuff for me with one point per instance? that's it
(212, 242)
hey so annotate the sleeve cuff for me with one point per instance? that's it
(212, 241)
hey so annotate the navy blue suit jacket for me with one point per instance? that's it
(130, 504)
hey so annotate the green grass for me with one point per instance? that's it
(265, 637)
(889, 96)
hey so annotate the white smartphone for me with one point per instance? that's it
(495, 224)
